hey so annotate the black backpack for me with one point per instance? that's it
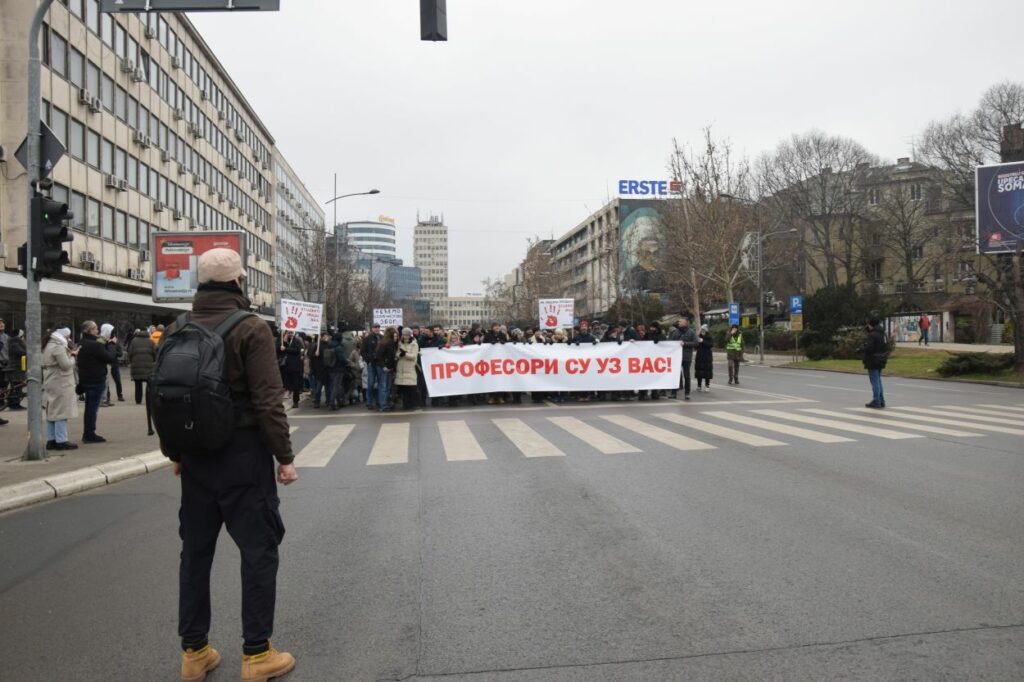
(193, 410)
(330, 358)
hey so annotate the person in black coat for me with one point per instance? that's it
(94, 356)
(14, 374)
(289, 354)
(876, 354)
(703, 363)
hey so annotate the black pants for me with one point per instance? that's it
(685, 381)
(115, 374)
(410, 397)
(238, 489)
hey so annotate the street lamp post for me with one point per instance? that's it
(761, 236)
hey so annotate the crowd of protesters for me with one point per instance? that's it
(381, 368)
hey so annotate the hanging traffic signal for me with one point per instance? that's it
(49, 232)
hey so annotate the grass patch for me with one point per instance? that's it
(911, 363)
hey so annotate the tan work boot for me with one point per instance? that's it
(266, 666)
(195, 664)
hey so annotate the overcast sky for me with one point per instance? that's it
(523, 122)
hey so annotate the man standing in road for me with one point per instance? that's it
(685, 336)
(876, 354)
(235, 487)
(374, 371)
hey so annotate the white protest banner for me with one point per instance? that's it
(299, 316)
(489, 368)
(556, 313)
(387, 317)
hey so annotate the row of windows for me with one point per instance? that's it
(105, 221)
(63, 60)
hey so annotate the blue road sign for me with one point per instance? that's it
(796, 305)
(734, 313)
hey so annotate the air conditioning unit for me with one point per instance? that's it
(179, 114)
(84, 96)
(195, 180)
(239, 136)
(204, 95)
(165, 155)
(110, 181)
(138, 76)
(86, 258)
(122, 185)
(181, 168)
(221, 115)
(197, 131)
(149, 32)
(149, 142)
(191, 223)
(137, 274)
(144, 256)
(229, 125)
(141, 138)
(230, 164)
(127, 66)
(177, 215)
(158, 206)
(220, 197)
(266, 166)
(95, 105)
(176, 62)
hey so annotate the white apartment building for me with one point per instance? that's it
(430, 255)
(461, 312)
(587, 258)
(158, 137)
(299, 216)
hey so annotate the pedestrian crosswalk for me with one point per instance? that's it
(665, 431)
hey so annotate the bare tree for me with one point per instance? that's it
(811, 182)
(704, 227)
(535, 278)
(956, 146)
(902, 227)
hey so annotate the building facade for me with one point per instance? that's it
(372, 238)
(462, 312)
(298, 215)
(158, 137)
(587, 261)
(430, 255)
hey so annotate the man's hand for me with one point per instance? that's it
(286, 474)
(177, 468)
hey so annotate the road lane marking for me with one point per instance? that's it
(882, 421)
(1004, 407)
(592, 436)
(459, 443)
(1012, 419)
(663, 436)
(292, 429)
(948, 422)
(721, 431)
(323, 447)
(839, 426)
(391, 446)
(958, 415)
(529, 442)
(806, 434)
(837, 388)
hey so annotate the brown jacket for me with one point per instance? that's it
(252, 369)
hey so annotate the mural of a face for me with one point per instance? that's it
(639, 247)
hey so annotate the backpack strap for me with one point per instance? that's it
(230, 322)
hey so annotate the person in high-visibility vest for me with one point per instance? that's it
(734, 353)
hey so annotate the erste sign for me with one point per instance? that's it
(649, 187)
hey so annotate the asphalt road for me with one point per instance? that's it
(616, 545)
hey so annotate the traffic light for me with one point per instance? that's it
(49, 232)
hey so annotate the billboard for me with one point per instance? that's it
(176, 261)
(640, 245)
(999, 203)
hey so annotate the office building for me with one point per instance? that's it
(297, 221)
(462, 312)
(430, 255)
(372, 238)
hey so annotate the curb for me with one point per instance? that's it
(79, 480)
(977, 382)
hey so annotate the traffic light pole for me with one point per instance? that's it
(36, 448)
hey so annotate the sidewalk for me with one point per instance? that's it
(961, 347)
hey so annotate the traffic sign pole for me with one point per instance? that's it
(36, 448)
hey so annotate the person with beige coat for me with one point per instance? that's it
(59, 399)
(405, 371)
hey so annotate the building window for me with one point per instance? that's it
(106, 222)
(76, 67)
(915, 191)
(59, 125)
(917, 253)
(92, 149)
(92, 217)
(92, 15)
(76, 134)
(133, 232)
(106, 156)
(121, 104)
(107, 92)
(874, 196)
(92, 78)
(78, 210)
(58, 54)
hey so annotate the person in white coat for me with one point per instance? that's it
(405, 371)
(59, 400)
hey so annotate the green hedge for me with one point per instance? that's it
(975, 363)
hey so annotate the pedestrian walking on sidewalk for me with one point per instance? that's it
(876, 354)
(703, 363)
(924, 324)
(59, 400)
(15, 374)
(234, 486)
(141, 361)
(94, 356)
(734, 353)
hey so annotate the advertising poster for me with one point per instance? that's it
(1000, 206)
(300, 316)
(387, 317)
(557, 313)
(176, 261)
